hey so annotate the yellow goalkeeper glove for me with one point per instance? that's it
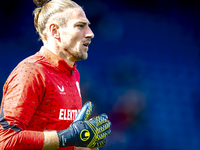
(86, 133)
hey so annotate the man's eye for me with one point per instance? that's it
(80, 26)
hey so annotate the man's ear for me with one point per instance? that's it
(54, 30)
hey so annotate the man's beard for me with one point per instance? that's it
(78, 55)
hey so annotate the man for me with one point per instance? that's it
(41, 97)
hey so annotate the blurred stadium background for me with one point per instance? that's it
(143, 67)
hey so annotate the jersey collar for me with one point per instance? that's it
(56, 60)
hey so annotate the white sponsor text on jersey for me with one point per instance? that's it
(68, 114)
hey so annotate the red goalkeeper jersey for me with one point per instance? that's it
(41, 93)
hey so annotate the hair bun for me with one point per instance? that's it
(39, 2)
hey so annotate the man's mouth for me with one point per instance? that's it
(86, 43)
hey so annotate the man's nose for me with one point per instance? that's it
(89, 33)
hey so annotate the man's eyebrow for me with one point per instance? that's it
(84, 22)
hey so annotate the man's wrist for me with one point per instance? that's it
(51, 140)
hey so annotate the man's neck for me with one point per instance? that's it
(60, 52)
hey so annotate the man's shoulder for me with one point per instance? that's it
(28, 69)
(34, 61)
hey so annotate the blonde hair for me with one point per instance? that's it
(46, 9)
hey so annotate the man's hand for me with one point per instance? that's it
(86, 133)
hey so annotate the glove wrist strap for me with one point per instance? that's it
(66, 138)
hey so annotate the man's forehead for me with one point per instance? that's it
(78, 15)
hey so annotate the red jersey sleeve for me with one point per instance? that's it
(23, 92)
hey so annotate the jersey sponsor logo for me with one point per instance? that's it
(78, 87)
(85, 135)
(68, 114)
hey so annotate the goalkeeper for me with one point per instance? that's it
(41, 104)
